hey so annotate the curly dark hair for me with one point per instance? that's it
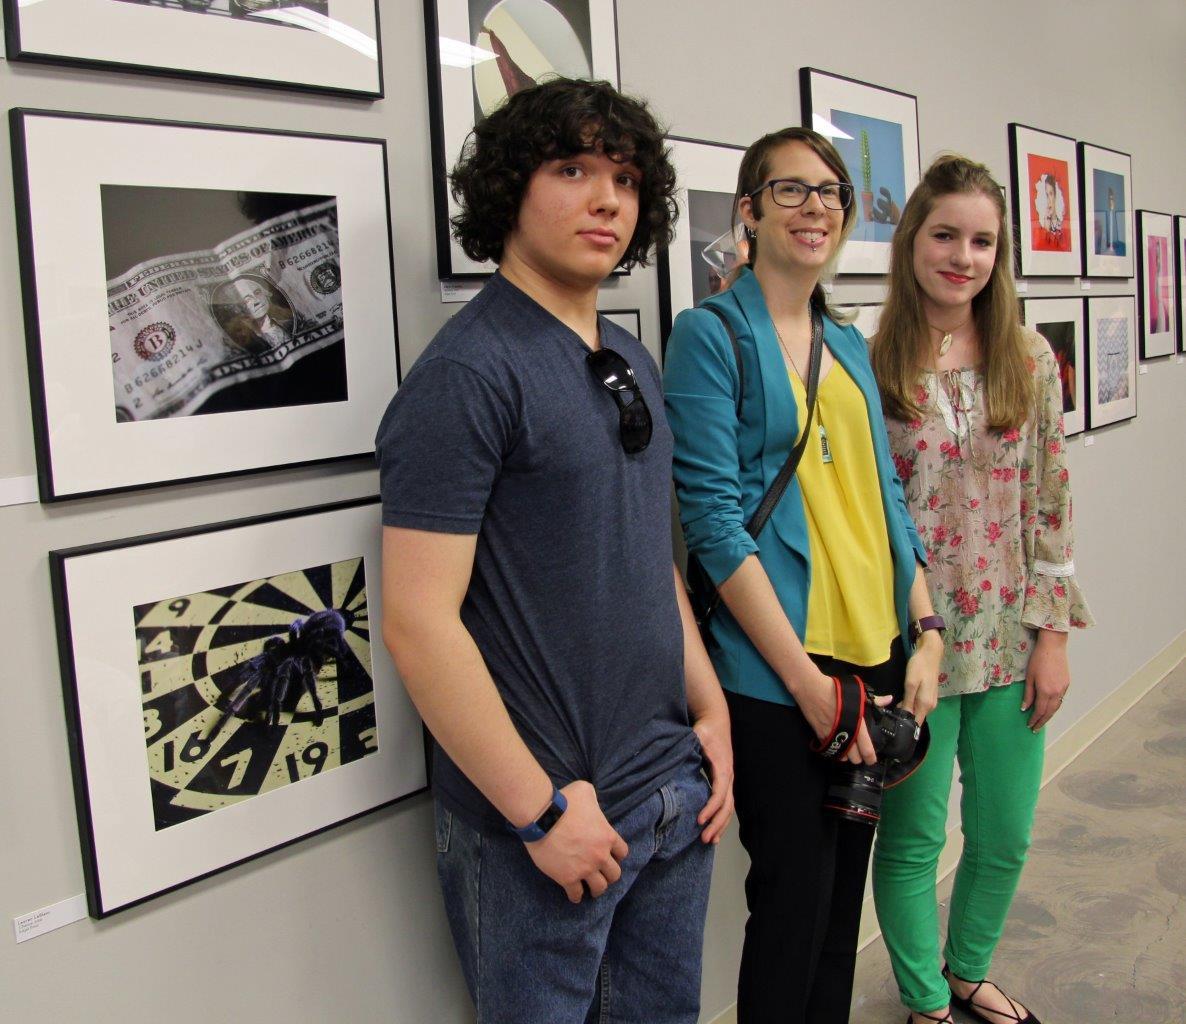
(559, 118)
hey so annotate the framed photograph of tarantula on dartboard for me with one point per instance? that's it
(224, 697)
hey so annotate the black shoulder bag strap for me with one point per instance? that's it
(705, 604)
(774, 495)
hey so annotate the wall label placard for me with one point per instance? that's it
(48, 919)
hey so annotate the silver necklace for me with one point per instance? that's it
(825, 448)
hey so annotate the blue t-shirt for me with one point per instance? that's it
(502, 430)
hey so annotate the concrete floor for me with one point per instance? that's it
(1097, 932)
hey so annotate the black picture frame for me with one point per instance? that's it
(707, 171)
(133, 748)
(82, 447)
(630, 320)
(1180, 287)
(1115, 258)
(173, 39)
(1114, 399)
(867, 249)
(1157, 312)
(1058, 153)
(453, 98)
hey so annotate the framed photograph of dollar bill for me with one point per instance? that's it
(1060, 322)
(875, 129)
(480, 52)
(1045, 179)
(228, 309)
(322, 45)
(1111, 359)
(1105, 182)
(705, 247)
(1157, 302)
(225, 696)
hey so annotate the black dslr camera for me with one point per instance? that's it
(901, 743)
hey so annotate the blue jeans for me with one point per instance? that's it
(631, 956)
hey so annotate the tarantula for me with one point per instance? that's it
(310, 644)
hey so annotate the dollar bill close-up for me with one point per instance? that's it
(185, 326)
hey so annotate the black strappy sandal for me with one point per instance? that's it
(974, 1008)
(946, 1019)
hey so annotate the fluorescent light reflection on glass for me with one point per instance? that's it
(331, 27)
(456, 54)
(825, 127)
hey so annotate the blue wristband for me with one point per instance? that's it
(534, 831)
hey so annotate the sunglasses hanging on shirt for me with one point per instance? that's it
(617, 377)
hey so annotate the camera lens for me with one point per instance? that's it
(855, 792)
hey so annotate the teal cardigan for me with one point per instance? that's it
(723, 465)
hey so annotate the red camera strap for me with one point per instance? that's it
(850, 710)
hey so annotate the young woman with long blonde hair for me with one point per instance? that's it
(974, 415)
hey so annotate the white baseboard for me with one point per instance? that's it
(1059, 754)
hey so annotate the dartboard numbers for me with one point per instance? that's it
(314, 755)
(152, 723)
(160, 644)
(240, 761)
(191, 751)
(154, 643)
(176, 757)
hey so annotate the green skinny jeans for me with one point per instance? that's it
(1000, 770)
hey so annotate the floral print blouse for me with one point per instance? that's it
(994, 511)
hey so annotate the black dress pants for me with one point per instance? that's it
(807, 868)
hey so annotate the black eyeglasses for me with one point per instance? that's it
(634, 418)
(835, 195)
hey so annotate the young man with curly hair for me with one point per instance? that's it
(582, 765)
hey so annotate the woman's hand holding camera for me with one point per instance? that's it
(816, 697)
(921, 692)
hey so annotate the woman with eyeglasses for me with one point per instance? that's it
(975, 422)
(828, 588)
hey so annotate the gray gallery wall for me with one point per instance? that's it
(348, 925)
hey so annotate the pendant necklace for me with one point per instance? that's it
(825, 448)
(945, 344)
